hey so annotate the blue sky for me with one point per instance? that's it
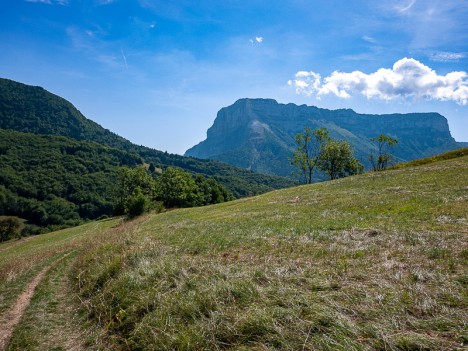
(156, 72)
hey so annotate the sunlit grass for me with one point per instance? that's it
(376, 261)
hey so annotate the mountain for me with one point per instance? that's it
(31, 109)
(258, 134)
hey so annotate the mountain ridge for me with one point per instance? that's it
(31, 109)
(258, 134)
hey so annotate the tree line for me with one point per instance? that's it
(316, 150)
(139, 191)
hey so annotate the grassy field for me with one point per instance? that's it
(372, 262)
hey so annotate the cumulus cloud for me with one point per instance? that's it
(408, 78)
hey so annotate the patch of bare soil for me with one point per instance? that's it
(12, 317)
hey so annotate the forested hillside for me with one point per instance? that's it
(32, 109)
(54, 181)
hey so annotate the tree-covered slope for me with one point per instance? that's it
(56, 181)
(32, 109)
(258, 134)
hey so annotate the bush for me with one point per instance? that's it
(9, 228)
(137, 204)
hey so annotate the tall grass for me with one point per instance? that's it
(372, 262)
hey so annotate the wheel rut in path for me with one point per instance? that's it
(12, 317)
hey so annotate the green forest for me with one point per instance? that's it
(55, 182)
(59, 168)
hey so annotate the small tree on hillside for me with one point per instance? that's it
(177, 188)
(135, 191)
(384, 144)
(338, 160)
(310, 146)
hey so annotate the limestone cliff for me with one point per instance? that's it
(258, 134)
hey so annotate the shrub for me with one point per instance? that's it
(9, 228)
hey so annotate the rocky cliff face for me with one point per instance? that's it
(258, 134)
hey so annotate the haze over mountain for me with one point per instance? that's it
(258, 134)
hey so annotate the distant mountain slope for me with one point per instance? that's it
(32, 109)
(258, 134)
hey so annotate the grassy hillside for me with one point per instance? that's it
(372, 262)
(31, 109)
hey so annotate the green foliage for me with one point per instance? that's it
(315, 149)
(32, 109)
(137, 191)
(310, 146)
(55, 181)
(177, 188)
(338, 160)
(384, 144)
(137, 204)
(9, 228)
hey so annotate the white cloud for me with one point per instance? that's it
(257, 40)
(408, 78)
(50, 2)
(369, 39)
(404, 6)
(442, 56)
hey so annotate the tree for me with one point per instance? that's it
(211, 191)
(137, 204)
(384, 144)
(177, 188)
(310, 146)
(136, 191)
(337, 159)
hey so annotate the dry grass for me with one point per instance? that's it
(373, 262)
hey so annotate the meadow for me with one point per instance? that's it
(371, 262)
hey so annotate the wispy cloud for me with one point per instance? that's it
(369, 39)
(50, 2)
(124, 58)
(408, 78)
(404, 6)
(442, 56)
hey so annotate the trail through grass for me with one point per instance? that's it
(372, 262)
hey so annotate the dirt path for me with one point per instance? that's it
(12, 317)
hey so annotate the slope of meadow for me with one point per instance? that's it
(377, 261)
(371, 262)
